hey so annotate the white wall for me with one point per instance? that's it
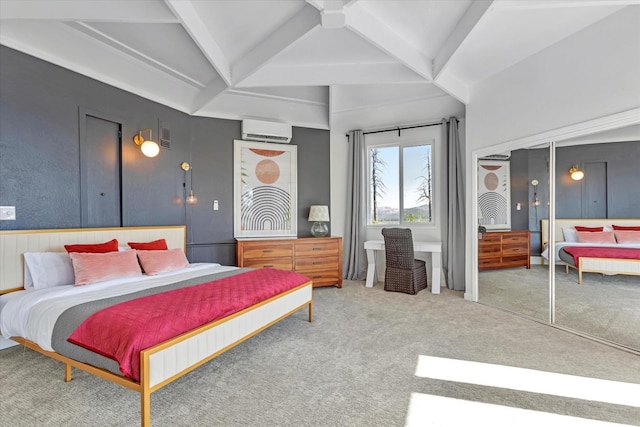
(591, 75)
(420, 111)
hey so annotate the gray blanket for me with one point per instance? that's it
(74, 316)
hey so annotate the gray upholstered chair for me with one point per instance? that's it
(403, 272)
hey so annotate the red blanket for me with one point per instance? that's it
(121, 331)
(600, 252)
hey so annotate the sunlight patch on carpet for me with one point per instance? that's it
(433, 411)
(530, 380)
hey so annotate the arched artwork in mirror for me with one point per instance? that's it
(604, 302)
(511, 274)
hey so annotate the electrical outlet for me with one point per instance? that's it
(7, 213)
(215, 205)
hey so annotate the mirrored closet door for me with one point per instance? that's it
(513, 196)
(606, 306)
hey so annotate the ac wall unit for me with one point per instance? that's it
(501, 156)
(258, 130)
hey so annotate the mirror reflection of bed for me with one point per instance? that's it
(604, 306)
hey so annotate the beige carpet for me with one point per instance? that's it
(355, 365)
(603, 306)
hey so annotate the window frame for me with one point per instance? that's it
(402, 143)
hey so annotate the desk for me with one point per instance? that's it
(435, 248)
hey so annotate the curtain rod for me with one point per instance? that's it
(399, 128)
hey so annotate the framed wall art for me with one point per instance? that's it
(265, 189)
(494, 194)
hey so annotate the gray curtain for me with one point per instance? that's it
(453, 234)
(354, 255)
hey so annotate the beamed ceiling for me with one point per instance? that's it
(295, 61)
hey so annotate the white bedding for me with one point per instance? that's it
(560, 245)
(32, 314)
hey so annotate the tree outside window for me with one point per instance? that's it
(401, 184)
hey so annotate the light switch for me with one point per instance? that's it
(7, 213)
(215, 205)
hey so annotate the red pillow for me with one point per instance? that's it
(95, 248)
(625, 227)
(592, 229)
(156, 245)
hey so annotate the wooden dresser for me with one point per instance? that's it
(504, 249)
(318, 258)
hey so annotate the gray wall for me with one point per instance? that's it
(623, 191)
(40, 161)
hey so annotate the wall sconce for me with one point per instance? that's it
(149, 147)
(320, 216)
(191, 199)
(576, 174)
(535, 201)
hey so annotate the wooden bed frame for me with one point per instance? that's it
(167, 361)
(588, 264)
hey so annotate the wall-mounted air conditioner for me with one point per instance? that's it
(258, 130)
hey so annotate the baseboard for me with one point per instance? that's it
(6, 343)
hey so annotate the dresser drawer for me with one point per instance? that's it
(267, 251)
(317, 263)
(489, 251)
(321, 277)
(490, 238)
(509, 250)
(279, 263)
(515, 238)
(316, 249)
(489, 263)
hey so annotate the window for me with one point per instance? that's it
(401, 184)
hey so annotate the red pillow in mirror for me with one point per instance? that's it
(156, 245)
(95, 248)
(627, 227)
(593, 229)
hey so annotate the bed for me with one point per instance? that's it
(157, 364)
(605, 258)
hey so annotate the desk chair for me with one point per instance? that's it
(404, 273)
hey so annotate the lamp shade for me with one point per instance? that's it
(150, 148)
(576, 174)
(319, 213)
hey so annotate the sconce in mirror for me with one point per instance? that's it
(576, 174)
(191, 199)
(535, 201)
(149, 147)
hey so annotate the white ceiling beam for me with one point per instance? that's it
(454, 87)
(192, 23)
(207, 95)
(132, 11)
(293, 30)
(128, 50)
(376, 32)
(336, 74)
(474, 14)
(559, 4)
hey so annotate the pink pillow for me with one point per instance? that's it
(596, 237)
(628, 236)
(91, 268)
(156, 262)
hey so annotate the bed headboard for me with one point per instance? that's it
(13, 243)
(571, 222)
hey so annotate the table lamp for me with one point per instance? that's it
(319, 214)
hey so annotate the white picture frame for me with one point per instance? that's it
(265, 189)
(494, 194)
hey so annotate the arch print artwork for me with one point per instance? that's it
(265, 189)
(494, 194)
